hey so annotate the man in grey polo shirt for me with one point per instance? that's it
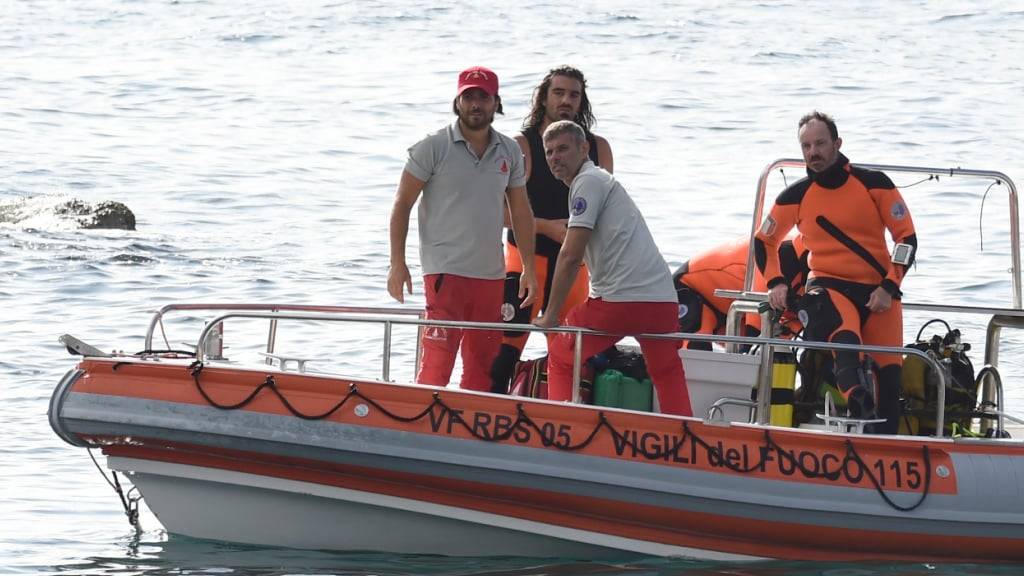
(631, 290)
(466, 172)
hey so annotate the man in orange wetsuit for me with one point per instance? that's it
(561, 95)
(853, 294)
(725, 266)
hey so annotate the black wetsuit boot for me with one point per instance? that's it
(889, 399)
(501, 369)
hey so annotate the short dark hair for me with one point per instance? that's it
(585, 118)
(556, 129)
(821, 116)
(455, 105)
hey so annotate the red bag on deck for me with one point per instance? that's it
(530, 378)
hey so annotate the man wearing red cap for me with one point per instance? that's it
(466, 172)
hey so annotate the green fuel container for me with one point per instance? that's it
(636, 394)
(608, 389)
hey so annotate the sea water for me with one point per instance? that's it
(259, 144)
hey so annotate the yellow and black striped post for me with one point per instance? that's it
(783, 384)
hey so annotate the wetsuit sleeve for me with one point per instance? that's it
(773, 231)
(898, 221)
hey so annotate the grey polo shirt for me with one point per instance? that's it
(625, 264)
(461, 212)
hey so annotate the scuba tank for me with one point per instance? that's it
(913, 388)
(783, 384)
(920, 386)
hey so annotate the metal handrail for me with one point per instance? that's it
(273, 313)
(272, 331)
(579, 332)
(159, 315)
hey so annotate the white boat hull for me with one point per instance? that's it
(251, 509)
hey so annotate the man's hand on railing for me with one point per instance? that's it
(777, 296)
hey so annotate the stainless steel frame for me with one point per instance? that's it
(202, 346)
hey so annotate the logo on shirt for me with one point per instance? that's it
(503, 167)
(508, 312)
(579, 205)
(768, 226)
(898, 211)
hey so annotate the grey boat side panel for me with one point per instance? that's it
(57, 400)
(525, 467)
(994, 482)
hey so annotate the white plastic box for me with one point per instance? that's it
(714, 375)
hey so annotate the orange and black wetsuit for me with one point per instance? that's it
(843, 213)
(725, 266)
(549, 199)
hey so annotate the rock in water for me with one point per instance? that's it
(106, 215)
(111, 214)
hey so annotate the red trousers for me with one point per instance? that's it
(451, 297)
(626, 318)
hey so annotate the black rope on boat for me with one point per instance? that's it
(353, 391)
(161, 352)
(925, 455)
(196, 368)
(851, 456)
(129, 501)
(921, 181)
(799, 465)
(524, 422)
(981, 215)
(719, 457)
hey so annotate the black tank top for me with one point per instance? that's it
(549, 196)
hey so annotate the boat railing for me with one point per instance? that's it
(210, 343)
(992, 392)
(388, 321)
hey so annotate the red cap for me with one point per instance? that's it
(478, 77)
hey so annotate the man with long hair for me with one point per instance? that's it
(561, 95)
